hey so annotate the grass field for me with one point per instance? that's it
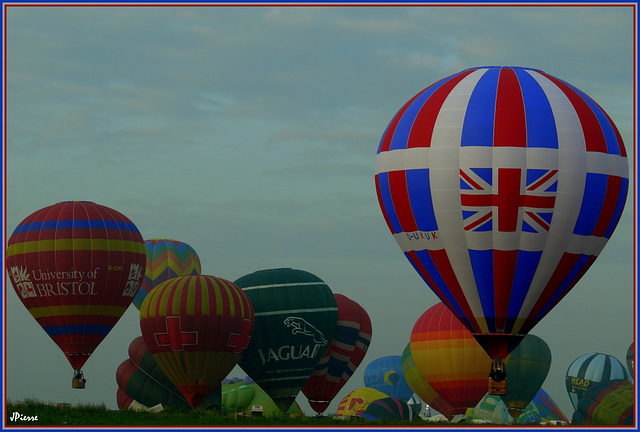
(36, 414)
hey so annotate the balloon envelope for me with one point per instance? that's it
(501, 186)
(589, 369)
(76, 266)
(166, 259)
(242, 395)
(197, 328)
(490, 408)
(356, 402)
(547, 407)
(296, 316)
(388, 408)
(385, 374)
(421, 386)
(450, 359)
(608, 403)
(345, 353)
(140, 379)
(527, 368)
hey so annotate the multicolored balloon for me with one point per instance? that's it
(546, 407)
(166, 259)
(356, 402)
(450, 359)
(492, 409)
(388, 408)
(296, 316)
(385, 374)
(528, 366)
(197, 328)
(421, 386)
(76, 266)
(501, 186)
(607, 403)
(589, 369)
(345, 353)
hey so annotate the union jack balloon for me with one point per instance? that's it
(501, 186)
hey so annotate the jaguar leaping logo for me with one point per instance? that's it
(303, 327)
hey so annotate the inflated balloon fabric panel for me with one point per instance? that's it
(501, 185)
(166, 259)
(527, 368)
(590, 369)
(348, 348)
(449, 358)
(296, 316)
(385, 374)
(421, 386)
(76, 267)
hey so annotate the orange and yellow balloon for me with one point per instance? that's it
(449, 358)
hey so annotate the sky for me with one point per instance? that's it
(250, 133)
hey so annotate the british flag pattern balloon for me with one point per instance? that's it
(501, 185)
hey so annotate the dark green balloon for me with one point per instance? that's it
(527, 368)
(140, 378)
(296, 315)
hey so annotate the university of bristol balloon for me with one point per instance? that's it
(76, 266)
(501, 186)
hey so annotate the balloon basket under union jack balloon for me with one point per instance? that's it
(78, 381)
(498, 378)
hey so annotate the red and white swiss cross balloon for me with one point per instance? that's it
(196, 328)
(501, 186)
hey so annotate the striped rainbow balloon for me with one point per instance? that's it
(166, 259)
(449, 359)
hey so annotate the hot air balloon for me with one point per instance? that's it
(421, 386)
(501, 186)
(197, 328)
(528, 366)
(490, 409)
(356, 402)
(630, 359)
(76, 266)
(296, 316)
(348, 347)
(242, 395)
(607, 403)
(589, 369)
(546, 407)
(450, 359)
(388, 408)
(140, 379)
(385, 374)
(166, 259)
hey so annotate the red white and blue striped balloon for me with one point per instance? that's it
(501, 185)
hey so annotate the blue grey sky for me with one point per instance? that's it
(250, 133)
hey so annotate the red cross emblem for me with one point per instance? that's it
(240, 341)
(174, 336)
